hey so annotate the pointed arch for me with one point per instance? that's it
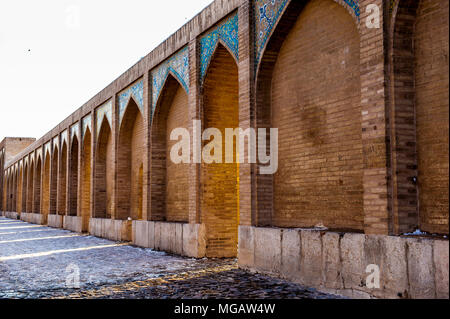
(46, 184)
(54, 180)
(104, 167)
(220, 182)
(19, 189)
(220, 44)
(131, 148)
(86, 155)
(169, 198)
(419, 115)
(37, 185)
(310, 91)
(14, 191)
(24, 187)
(62, 180)
(30, 188)
(73, 177)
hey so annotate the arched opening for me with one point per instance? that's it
(308, 87)
(30, 188)
(54, 181)
(220, 185)
(73, 178)
(170, 181)
(420, 116)
(8, 193)
(46, 186)
(24, 189)
(86, 180)
(37, 186)
(104, 168)
(14, 192)
(19, 190)
(130, 159)
(62, 185)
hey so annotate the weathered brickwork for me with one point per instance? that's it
(219, 193)
(362, 114)
(316, 107)
(432, 119)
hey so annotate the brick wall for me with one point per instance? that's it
(219, 193)
(316, 107)
(54, 181)
(360, 111)
(73, 178)
(62, 184)
(177, 176)
(86, 175)
(130, 161)
(103, 173)
(46, 186)
(37, 186)
(432, 119)
(419, 116)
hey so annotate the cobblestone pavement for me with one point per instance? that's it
(37, 261)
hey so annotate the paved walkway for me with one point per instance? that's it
(42, 262)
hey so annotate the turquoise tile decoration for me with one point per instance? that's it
(267, 14)
(103, 112)
(87, 124)
(178, 65)
(227, 32)
(136, 91)
(74, 131)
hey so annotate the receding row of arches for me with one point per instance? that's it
(308, 85)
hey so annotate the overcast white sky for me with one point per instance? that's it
(57, 54)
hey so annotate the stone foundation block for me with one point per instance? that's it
(331, 261)
(194, 240)
(246, 247)
(440, 255)
(420, 268)
(55, 221)
(353, 261)
(268, 249)
(311, 258)
(290, 256)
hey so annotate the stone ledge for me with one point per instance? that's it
(55, 221)
(117, 230)
(33, 218)
(337, 263)
(176, 238)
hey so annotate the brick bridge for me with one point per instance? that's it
(363, 122)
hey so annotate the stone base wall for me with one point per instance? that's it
(177, 238)
(338, 263)
(55, 221)
(11, 215)
(117, 230)
(73, 223)
(33, 218)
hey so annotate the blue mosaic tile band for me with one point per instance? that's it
(74, 129)
(56, 142)
(267, 14)
(178, 65)
(137, 92)
(102, 112)
(48, 148)
(64, 137)
(87, 123)
(227, 31)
